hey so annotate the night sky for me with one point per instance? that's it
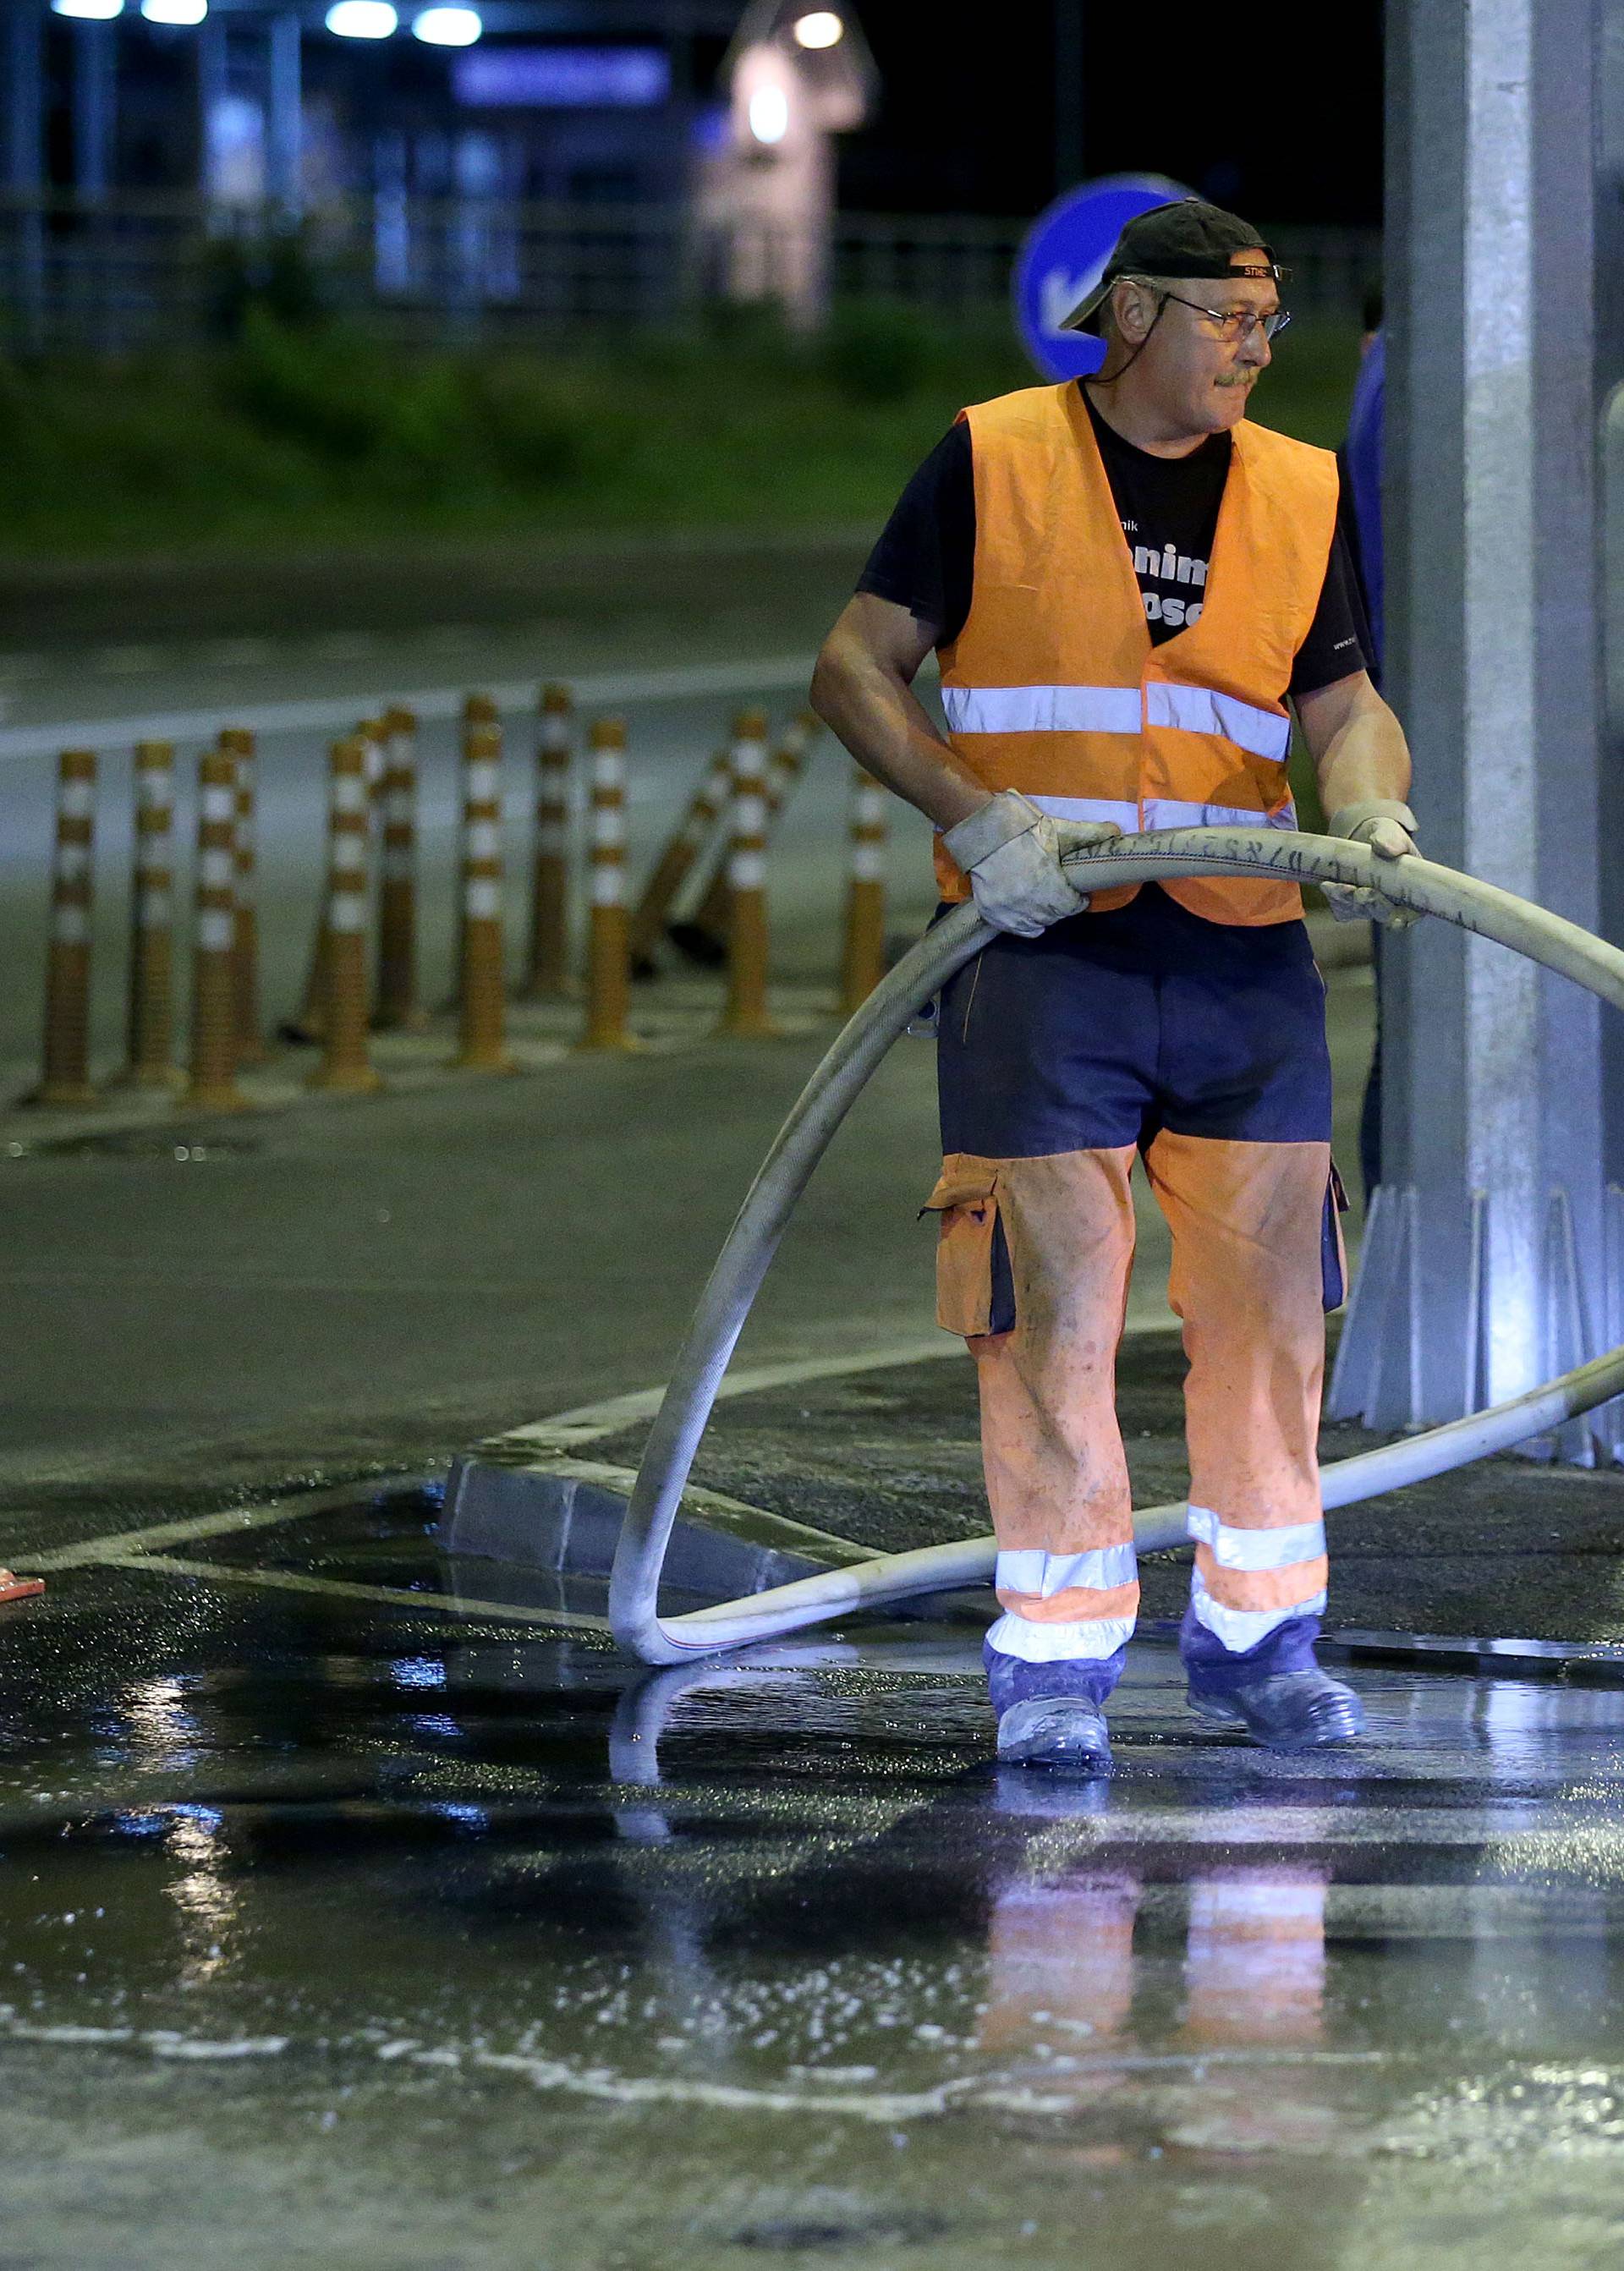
(1282, 129)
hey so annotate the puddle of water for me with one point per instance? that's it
(772, 1951)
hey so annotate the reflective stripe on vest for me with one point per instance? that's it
(1116, 710)
(1164, 812)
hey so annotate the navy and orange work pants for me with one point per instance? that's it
(1198, 1048)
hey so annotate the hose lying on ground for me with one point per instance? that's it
(1413, 882)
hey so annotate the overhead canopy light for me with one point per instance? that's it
(174, 11)
(769, 113)
(95, 11)
(821, 28)
(362, 20)
(448, 27)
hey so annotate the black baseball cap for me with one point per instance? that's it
(1186, 238)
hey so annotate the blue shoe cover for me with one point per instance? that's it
(1065, 1733)
(1011, 1679)
(1302, 1710)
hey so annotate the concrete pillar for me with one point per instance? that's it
(1610, 396)
(1485, 1268)
(285, 124)
(95, 99)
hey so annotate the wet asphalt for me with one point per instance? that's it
(360, 1906)
(351, 1913)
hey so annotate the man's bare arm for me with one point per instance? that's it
(862, 688)
(1357, 744)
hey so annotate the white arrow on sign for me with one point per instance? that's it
(1059, 291)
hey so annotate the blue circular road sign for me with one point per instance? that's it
(1060, 262)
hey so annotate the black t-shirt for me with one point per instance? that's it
(925, 559)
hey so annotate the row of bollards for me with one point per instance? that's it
(728, 821)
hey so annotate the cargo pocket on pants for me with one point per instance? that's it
(1333, 1252)
(975, 1286)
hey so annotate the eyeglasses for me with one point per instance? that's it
(1233, 324)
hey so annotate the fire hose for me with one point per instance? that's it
(1412, 883)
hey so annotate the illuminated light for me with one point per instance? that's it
(822, 28)
(769, 114)
(448, 27)
(563, 79)
(362, 20)
(174, 11)
(93, 11)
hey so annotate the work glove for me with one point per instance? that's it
(1388, 830)
(1011, 853)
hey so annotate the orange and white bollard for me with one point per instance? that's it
(310, 1023)
(214, 1085)
(549, 977)
(694, 831)
(480, 716)
(482, 952)
(397, 1010)
(65, 1076)
(608, 966)
(789, 761)
(238, 744)
(862, 962)
(345, 1064)
(784, 771)
(152, 922)
(745, 1016)
(373, 735)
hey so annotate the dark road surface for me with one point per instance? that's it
(359, 1908)
(343, 1928)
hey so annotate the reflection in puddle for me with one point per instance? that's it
(164, 1734)
(792, 1899)
(206, 1903)
(1060, 1961)
(1255, 1960)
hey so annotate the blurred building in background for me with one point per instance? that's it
(501, 168)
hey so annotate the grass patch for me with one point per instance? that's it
(304, 432)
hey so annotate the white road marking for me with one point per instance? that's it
(291, 1581)
(331, 714)
(587, 1422)
(225, 1522)
(570, 1429)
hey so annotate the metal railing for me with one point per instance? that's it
(124, 273)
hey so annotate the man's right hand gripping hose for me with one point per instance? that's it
(1012, 854)
(1389, 827)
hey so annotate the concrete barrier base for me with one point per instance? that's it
(550, 1517)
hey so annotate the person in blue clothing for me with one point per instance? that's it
(1361, 473)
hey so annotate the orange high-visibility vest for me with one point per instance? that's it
(1054, 688)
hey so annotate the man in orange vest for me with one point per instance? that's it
(1127, 583)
